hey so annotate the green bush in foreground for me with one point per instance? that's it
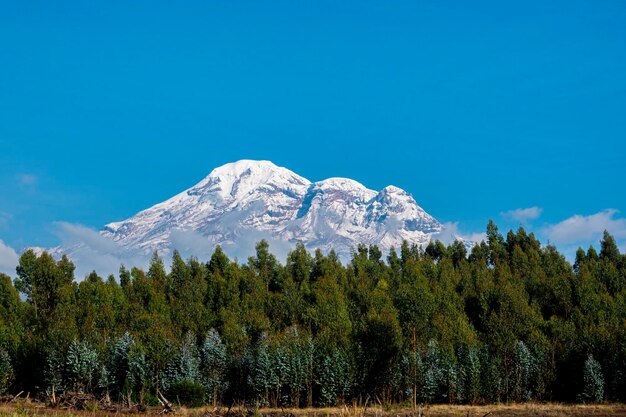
(593, 389)
(6, 371)
(187, 393)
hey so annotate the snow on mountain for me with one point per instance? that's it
(239, 195)
(247, 199)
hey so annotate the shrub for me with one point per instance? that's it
(333, 378)
(468, 374)
(593, 382)
(433, 389)
(150, 399)
(521, 373)
(6, 371)
(81, 366)
(184, 365)
(213, 366)
(188, 393)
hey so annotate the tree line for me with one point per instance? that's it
(508, 320)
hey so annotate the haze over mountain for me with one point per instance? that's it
(247, 200)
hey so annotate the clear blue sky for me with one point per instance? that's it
(476, 108)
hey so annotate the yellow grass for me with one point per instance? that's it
(496, 410)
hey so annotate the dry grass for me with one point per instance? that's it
(496, 410)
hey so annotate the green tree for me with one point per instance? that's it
(434, 389)
(266, 266)
(469, 374)
(6, 371)
(42, 281)
(333, 377)
(12, 316)
(522, 370)
(81, 366)
(184, 365)
(213, 369)
(593, 382)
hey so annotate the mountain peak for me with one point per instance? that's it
(340, 183)
(392, 189)
(243, 177)
(239, 167)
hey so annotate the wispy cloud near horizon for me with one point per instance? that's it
(522, 215)
(8, 259)
(89, 250)
(581, 228)
(452, 232)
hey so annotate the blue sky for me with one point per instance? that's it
(476, 108)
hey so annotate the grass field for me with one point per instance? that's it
(496, 410)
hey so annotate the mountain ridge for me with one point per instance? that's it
(260, 196)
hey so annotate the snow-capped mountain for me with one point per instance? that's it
(256, 199)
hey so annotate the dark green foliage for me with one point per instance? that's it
(53, 372)
(469, 375)
(510, 321)
(187, 393)
(6, 371)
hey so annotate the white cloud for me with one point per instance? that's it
(191, 243)
(522, 214)
(246, 245)
(89, 251)
(451, 232)
(579, 228)
(71, 234)
(8, 259)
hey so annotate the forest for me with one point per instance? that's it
(509, 320)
